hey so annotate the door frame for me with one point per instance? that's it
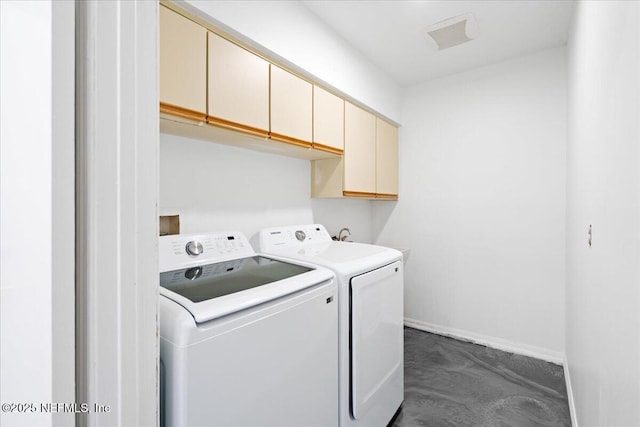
(116, 212)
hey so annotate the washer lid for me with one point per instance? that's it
(214, 290)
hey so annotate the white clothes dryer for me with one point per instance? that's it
(370, 305)
(246, 340)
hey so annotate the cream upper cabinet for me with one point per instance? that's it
(369, 167)
(386, 158)
(183, 63)
(238, 86)
(359, 151)
(207, 77)
(328, 121)
(291, 106)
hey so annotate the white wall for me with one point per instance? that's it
(603, 187)
(290, 30)
(482, 203)
(63, 208)
(215, 187)
(26, 210)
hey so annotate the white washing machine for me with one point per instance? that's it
(245, 339)
(370, 304)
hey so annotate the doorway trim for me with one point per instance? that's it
(116, 212)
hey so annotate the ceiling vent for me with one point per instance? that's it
(453, 31)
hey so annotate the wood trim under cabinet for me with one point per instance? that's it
(290, 140)
(215, 121)
(358, 194)
(386, 196)
(328, 148)
(185, 113)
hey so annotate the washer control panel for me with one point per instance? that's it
(185, 250)
(293, 236)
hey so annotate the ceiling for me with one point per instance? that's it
(392, 34)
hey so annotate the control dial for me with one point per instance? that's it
(193, 273)
(194, 248)
(300, 235)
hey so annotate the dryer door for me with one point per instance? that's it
(377, 339)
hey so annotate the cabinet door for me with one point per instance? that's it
(291, 104)
(386, 158)
(328, 121)
(183, 64)
(359, 152)
(238, 87)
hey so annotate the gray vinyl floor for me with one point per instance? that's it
(455, 383)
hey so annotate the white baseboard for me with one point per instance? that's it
(572, 404)
(547, 355)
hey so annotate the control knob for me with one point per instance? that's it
(193, 273)
(194, 248)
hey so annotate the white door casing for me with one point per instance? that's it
(117, 222)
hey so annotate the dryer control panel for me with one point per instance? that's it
(292, 236)
(186, 250)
